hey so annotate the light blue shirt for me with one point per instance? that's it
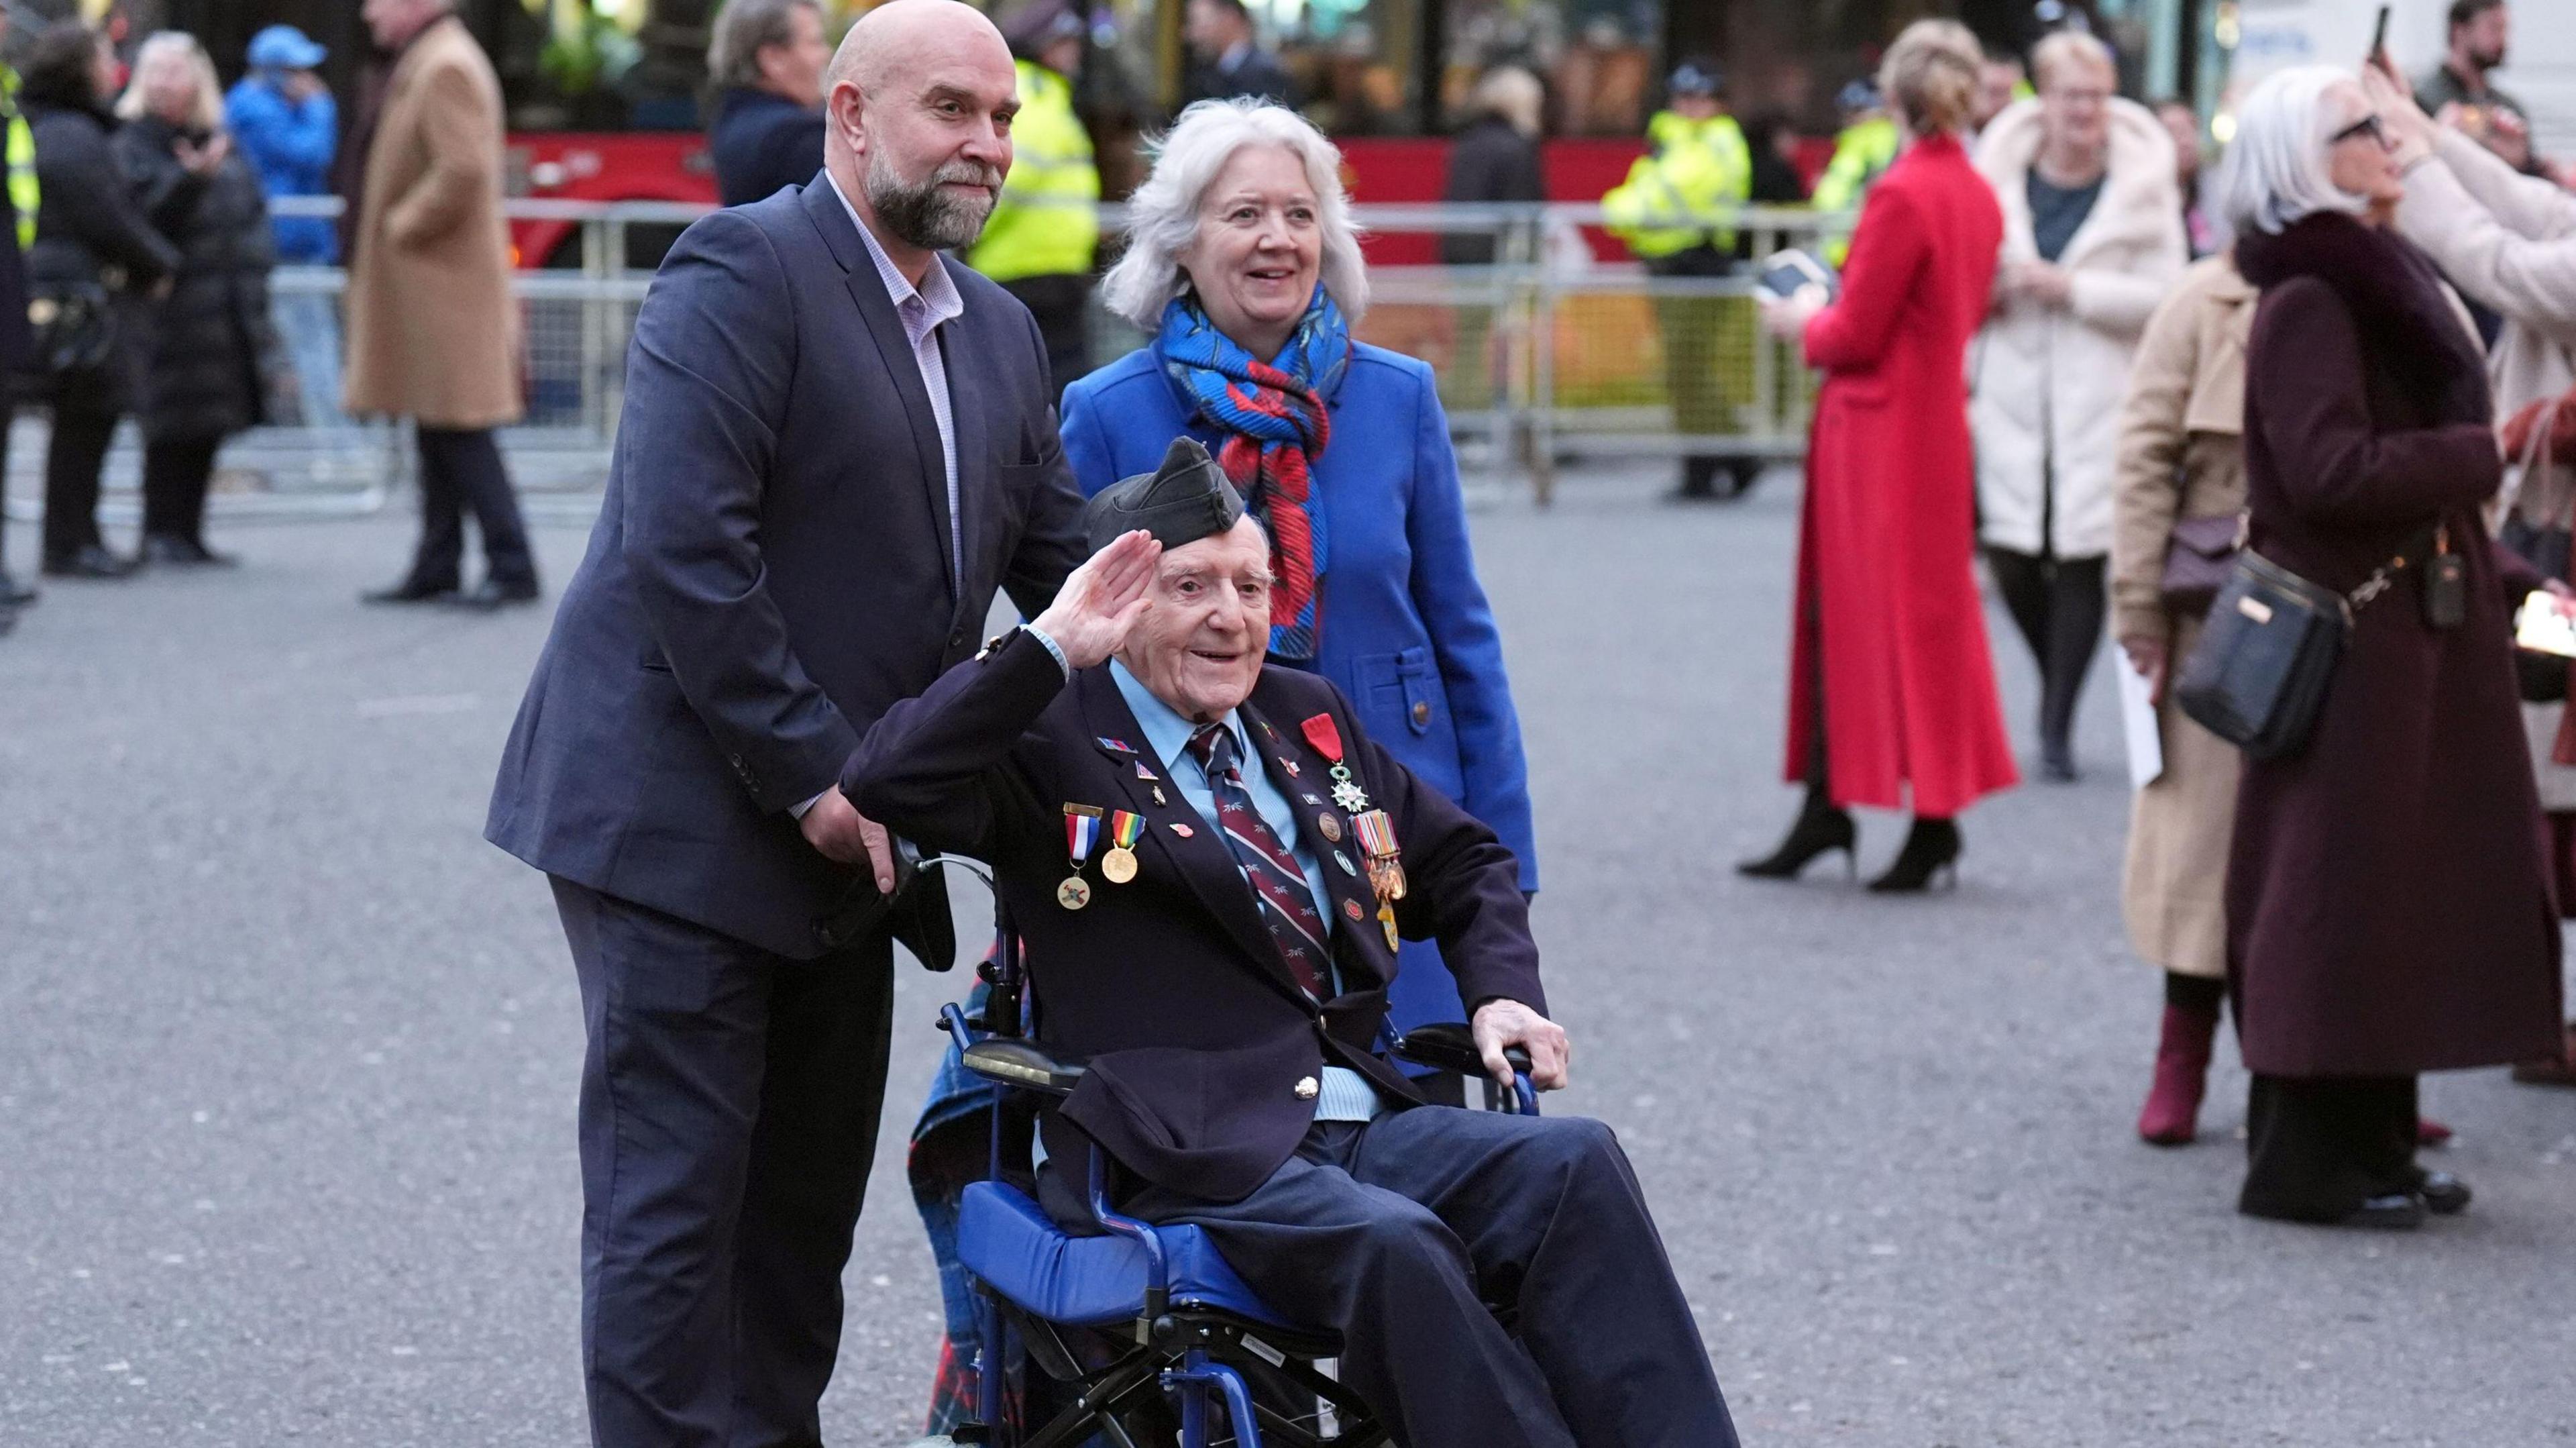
(1346, 1095)
(922, 310)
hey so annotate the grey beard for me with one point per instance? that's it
(922, 214)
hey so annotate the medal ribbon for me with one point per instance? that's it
(1125, 828)
(1081, 831)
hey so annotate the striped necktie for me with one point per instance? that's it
(1287, 904)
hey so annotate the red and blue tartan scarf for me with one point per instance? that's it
(1275, 426)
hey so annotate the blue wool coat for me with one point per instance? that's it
(1406, 631)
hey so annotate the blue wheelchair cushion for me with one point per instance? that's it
(1006, 1240)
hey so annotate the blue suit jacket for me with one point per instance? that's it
(1407, 634)
(770, 570)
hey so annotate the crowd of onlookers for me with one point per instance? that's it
(140, 283)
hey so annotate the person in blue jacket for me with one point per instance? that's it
(282, 117)
(1243, 264)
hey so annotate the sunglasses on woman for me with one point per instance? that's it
(2368, 125)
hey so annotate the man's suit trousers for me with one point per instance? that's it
(1398, 1231)
(729, 1104)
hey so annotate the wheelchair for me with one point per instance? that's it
(1151, 1334)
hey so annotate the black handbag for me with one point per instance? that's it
(2265, 658)
(73, 327)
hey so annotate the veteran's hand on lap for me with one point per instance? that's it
(1102, 600)
(836, 829)
(1502, 1023)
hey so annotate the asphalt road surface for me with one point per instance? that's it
(287, 1054)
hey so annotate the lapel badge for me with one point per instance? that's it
(1329, 827)
(1351, 908)
(1158, 795)
(1184, 831)
(1114, 746)
(1345, 862)
(1145, 774)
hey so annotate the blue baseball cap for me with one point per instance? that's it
(283, 47)
(1697, 76)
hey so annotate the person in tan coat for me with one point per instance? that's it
(433, 328)
(2508, 241)
(2181, 457)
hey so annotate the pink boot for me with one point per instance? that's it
(2172, 1112)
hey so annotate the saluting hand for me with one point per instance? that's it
(1093, 612)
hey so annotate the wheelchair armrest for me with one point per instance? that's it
(1451, 1046)
(1016, 1062)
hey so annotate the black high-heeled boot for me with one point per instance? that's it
(1820, 828)
(1931, 850)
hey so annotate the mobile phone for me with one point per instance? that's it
(1785, 272)
(2378, 39)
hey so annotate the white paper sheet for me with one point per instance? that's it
(2138, 725)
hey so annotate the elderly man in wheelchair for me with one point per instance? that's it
(1205, 866)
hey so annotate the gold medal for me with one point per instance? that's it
(1118, 865)
(1075, 893)
(1385, 917)
(1330, 828)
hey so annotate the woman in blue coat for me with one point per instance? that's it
(1242, 262)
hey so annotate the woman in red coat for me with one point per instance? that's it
(1890, 682)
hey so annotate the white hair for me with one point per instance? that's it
(1163, 215)
(175, 47)
(2275, 171)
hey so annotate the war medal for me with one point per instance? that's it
(1326, 736)
(1119, 865)
(1385, 865)
(1081, 832)
(1330, 828)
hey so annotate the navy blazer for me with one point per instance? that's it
(1406, 632)
(1171, 985)
(770, 569)
(762, 143)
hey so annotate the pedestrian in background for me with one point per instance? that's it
(2389, 910)
(1863, 150)
(1676, 211)
(215, 363)
(2178, 495)
(1227, 58)
(1892, 691)
(1040, 239)
(1495, 160)
(2199, 225)
(284, 122)
(18, 145)
(767, 59)
(95, 260)
(2508, 241)
(433, 328)
(2477, 34)
(2092, 242)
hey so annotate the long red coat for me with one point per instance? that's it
(1887, 602)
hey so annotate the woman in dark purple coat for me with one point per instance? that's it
(2389, 909)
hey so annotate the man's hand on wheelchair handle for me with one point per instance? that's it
(1500, 1023)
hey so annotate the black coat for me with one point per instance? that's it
(771, 569)
(1490, 161)
(2389, 903)
(1198, 1037)
(761, 143)
(214, 354)
(90, 231)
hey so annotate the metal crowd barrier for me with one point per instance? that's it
(1544, 356)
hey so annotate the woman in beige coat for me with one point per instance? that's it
(2181, 456)
(2508, 241)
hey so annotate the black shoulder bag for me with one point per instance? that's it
(2268, 653)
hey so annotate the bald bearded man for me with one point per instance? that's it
(837, 445)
